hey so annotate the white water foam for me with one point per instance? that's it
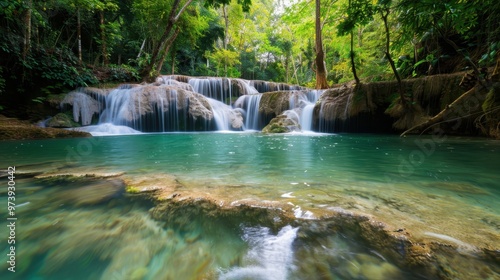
(270, 256)
(107, 129)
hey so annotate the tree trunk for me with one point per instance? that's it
(79, 35)
(226, 34)
(389, 57)
(167, 47)
(104, 48)
(172, 19)
(27, 29)
(172, 66)
(142, 48)
(321, 82)
(353, 64)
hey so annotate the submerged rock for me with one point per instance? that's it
(92, 193)
(392, 251)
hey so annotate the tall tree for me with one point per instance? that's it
(321, 82)
(384, 10)
(177, 8)
(27, 27)
(358, 13)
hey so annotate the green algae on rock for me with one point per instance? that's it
(61, 120)
(281, 124)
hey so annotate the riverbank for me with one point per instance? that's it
(15, 129)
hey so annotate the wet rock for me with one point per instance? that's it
(281, 124)
(265, 86)
(275, 103)
(168, 80)
(84, 106)
(14, 129)
(61, 120)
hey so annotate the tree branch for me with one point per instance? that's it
(176, 18)
(440, 116)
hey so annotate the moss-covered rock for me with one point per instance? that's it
(61, 120)
(281, 124)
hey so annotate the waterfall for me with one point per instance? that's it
(250, 104)
(182, 103)
(216, 88)
(248, 89)
(302, 103)
(226, 118)
(306, 118)
(84, 106)
(157, 109)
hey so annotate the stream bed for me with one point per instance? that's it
(291, 206)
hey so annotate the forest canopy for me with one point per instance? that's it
(53, 46)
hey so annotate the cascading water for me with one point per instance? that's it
(306, 118)
(270, 256)
(181, 103)
(156, 109)
(250, 104)
(215, 88)
(303, 104)
(248, 89)
(226, 118)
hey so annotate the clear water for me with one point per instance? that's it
(91, 229)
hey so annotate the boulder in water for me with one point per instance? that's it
(281, 124)
(61, 120)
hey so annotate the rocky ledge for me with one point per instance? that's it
(406, 241)
(391, 229)
(14, 129)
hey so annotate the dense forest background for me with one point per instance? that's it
(53, 46)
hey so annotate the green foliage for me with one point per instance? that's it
(39, 99)
(489, 57)
(266, 40)
(122, 73)
(245, 4)
(225, 58)
(61, 67)
(358, 12)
